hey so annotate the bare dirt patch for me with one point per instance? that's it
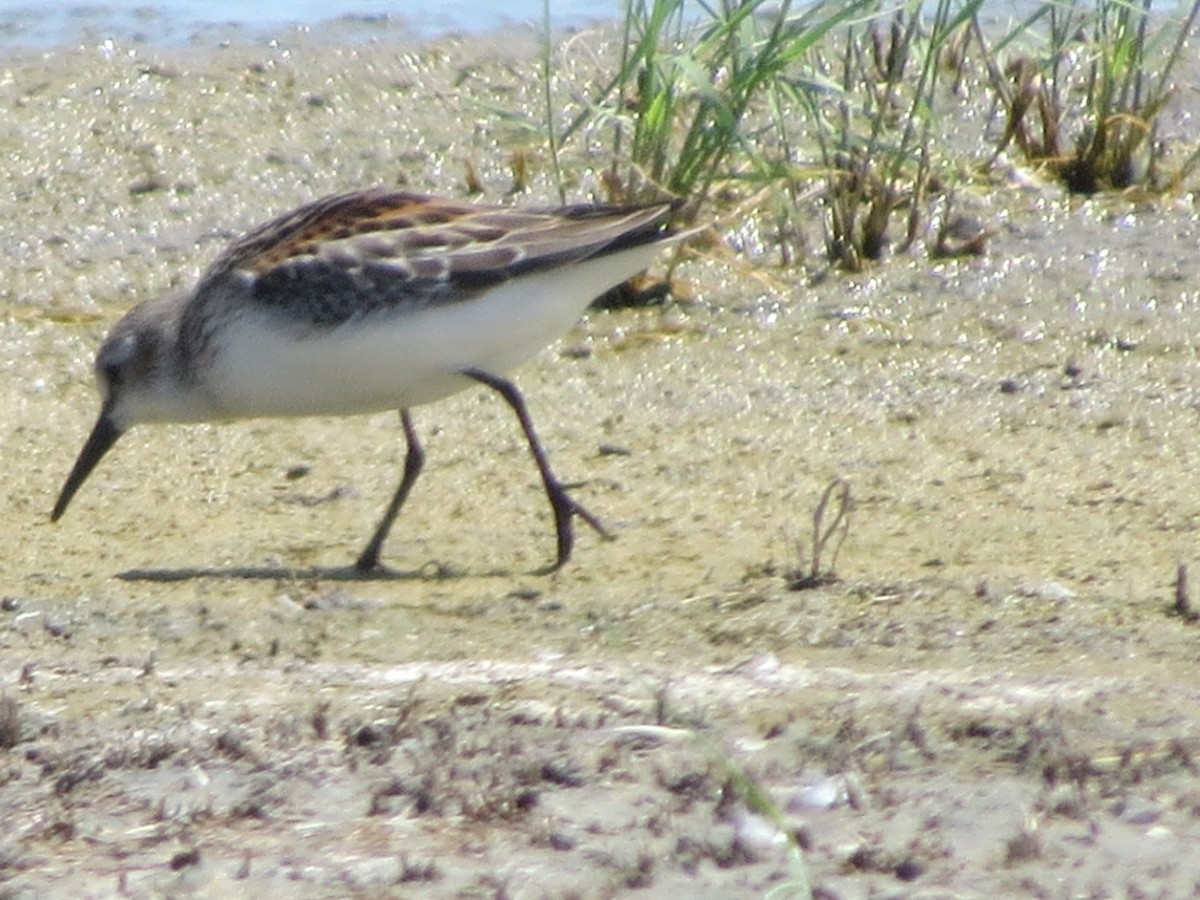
(995, 700)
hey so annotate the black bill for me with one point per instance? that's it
(103, 436)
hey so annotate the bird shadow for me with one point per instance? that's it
(430, 572)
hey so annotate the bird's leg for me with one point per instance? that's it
(561, 502)
(413, 461)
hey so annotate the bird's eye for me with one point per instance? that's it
(114, 358)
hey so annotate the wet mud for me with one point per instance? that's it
(199, 698)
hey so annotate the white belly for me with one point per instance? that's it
(395, 360)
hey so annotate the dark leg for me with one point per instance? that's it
(560, 501)
(415, 458)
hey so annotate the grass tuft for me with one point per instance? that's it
(761, 108)
(1106, 75)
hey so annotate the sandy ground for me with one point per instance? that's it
(200, 700)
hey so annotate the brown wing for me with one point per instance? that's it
(350, 254)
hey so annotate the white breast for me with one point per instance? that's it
(401, 359)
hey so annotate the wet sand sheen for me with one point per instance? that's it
(1018, 430)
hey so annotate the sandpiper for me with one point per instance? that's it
(368, 301)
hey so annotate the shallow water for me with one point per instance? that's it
(194, 670)
(205, 22)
